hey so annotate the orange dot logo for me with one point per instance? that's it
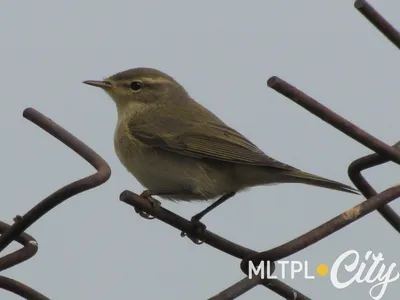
(322, 269)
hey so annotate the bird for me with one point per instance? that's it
(179, 150)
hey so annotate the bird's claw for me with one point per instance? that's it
(199, 229)
(146, 194)
(153, 202)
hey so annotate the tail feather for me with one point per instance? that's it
(310, 179)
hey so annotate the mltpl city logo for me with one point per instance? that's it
(377, 274)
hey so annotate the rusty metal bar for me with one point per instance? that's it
(354, 171)
(16, 231)
(333, 119)
(102, 175)
(174, 220)
(286, 291)
(345, 126)
(20, 289)
(142, 204)
(246, 284)
(30, 248)
(237, 289)
(378, 21)
(327, 228)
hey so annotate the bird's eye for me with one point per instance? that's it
(136, 86)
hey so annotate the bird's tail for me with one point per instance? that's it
(298, 176)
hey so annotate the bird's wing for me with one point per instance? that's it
(209, 140)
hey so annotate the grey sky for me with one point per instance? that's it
(93, 246)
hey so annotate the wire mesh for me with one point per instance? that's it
(15, 232)
(383, 153)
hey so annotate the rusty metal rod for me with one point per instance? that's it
(246, 284)
(20, 289)
(333, 119)
(30, 248)
(185, 225)
(238, 289)
(378, 21)
(224, 245)
(325, 229)
(67, 191)
(368, 191)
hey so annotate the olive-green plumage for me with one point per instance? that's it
(179, 150)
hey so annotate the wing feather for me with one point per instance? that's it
(209, 140)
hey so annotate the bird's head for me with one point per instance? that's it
(140, 86)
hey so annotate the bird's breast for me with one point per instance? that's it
(151, 167)
(128, 149)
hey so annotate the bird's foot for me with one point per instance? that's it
(153, 202)
(199, 229)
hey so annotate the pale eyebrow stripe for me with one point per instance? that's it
(156, 80)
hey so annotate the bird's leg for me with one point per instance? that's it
(200, 227)
(197, 217)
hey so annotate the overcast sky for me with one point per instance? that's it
(95, 247)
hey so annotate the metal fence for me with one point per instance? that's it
(383, 153)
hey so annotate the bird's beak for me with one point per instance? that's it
(98, 83)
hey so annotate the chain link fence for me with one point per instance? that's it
(383, 153)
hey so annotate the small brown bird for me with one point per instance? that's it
(179, 150)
